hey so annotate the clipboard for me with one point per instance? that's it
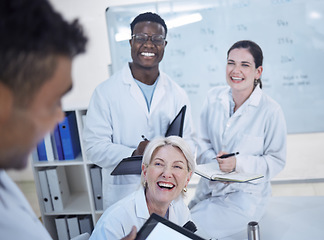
(159, 228)
(132, 165)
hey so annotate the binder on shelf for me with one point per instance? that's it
(46, 197)
(69, 136)
(85, 223)
(58, 143)
(41, 151)
(62, 228)
(34, 155)
(49, 147)
(132, 165)
(73, 226)
(96, 182)
(59, 188)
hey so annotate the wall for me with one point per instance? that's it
(304, 157)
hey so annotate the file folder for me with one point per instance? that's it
(46, 197)
(41, 151)
(49, 147)
(73, 226)
(70, 136)
(96, 181)
(85, 223)
(59, 188)
(61, 228)
(176, 126)
(132, 165)
(159, 228)
(58, 143)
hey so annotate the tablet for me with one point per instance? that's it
(159, 228)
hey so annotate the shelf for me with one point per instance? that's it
(80, 201)
(77, 161)
(78, 205)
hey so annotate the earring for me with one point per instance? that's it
(145, 183)
(185, 189)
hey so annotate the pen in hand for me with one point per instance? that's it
(229, 155)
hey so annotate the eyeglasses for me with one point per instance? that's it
(143, 37)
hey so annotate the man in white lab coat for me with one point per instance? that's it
(138, 100)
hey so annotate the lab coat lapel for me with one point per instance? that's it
(135, 90)
(159, 93)
(141, 208)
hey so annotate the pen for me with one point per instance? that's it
(229, 155)
(144, 138)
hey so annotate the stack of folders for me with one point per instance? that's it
(96, 183)
(54, 188)
(62, 144)
(68, 227)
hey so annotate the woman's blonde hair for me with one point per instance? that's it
(174, 141)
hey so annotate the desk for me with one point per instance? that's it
(291, 218)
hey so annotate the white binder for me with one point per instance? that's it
(96, 181)
(85, 223)
(73, 226)
(61, 228)
(49, 147)
(59, 187)
(46, 197)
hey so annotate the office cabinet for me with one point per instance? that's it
(69, 182)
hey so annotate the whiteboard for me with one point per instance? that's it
(290, 33)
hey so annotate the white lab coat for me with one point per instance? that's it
(17, 219)
(257, 130)
(117, 220)
(116, 119)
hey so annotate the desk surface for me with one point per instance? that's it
(291, 218)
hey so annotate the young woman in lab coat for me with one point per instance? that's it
(240, 118)
(167, 167)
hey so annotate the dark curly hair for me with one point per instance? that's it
(33, 35)
(151, 17)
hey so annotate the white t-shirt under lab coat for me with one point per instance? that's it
(118, 116)
(257, 130)
(17, 219)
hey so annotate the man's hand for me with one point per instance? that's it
(131, 235)
(140, 148)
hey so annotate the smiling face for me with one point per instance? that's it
(166, 175)
(22, 128)
(147, 55)
(241, 71)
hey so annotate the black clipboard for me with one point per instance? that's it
(167, 229)
(132, 165)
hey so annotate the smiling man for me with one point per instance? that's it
(138, 100)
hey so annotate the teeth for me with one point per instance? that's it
(237, 79)
(167, 185)
(147, 54)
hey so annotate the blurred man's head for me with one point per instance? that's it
(35, 72)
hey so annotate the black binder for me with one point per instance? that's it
(168, 228)
(132, 165)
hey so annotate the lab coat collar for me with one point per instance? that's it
(142, 209)
(255, 97)
(140, 204)
(253, 100)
